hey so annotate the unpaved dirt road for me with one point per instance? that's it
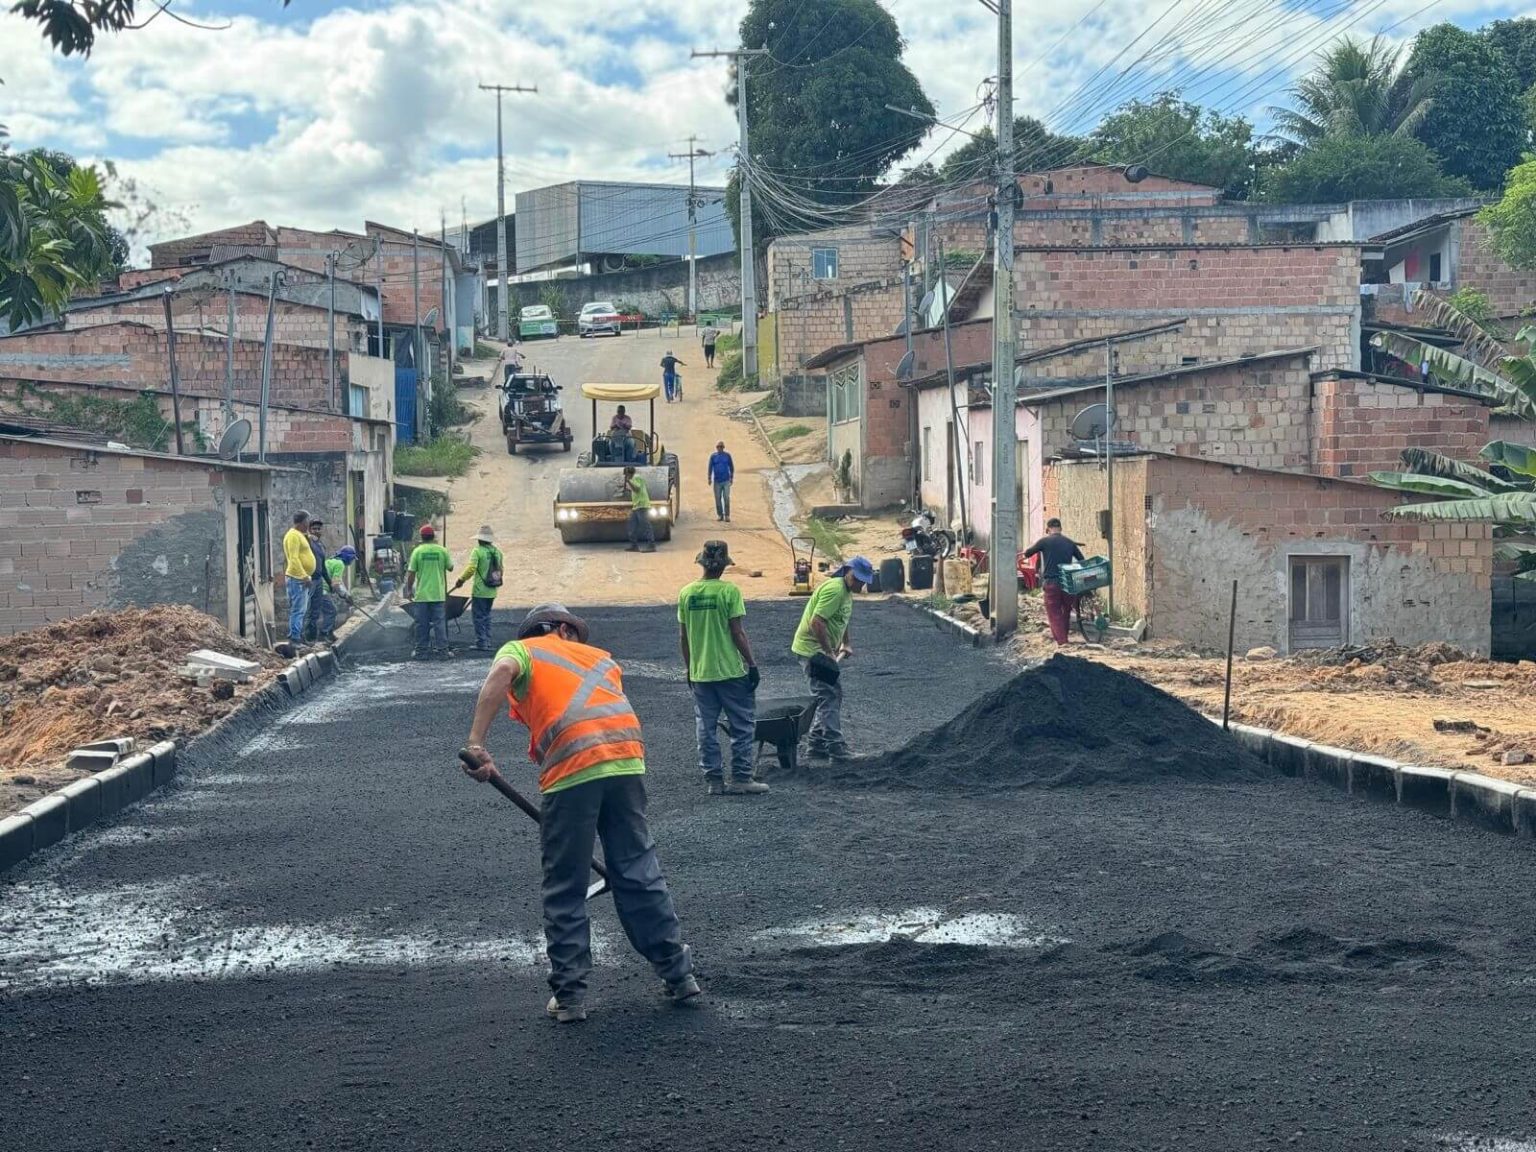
(326, 937)
(515, 494)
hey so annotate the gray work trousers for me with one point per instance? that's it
(735, 700)
(723, 499)
(827, 726)
(613, 811)
(640, 533)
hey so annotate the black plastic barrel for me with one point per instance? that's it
(892, 575)
(920, 573)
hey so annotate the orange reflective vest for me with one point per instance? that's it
(575, 710)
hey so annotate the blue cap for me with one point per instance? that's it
(863, 571)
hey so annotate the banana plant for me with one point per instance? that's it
(1516, 396)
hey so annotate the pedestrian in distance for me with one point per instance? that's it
(1054, 550)
(709, 335)
(641, 537)
(484, 566)
(587, 742)
(298, 574)
(670, 381)
(426, 582)
(722, 472)
(320, 620)
(822, 642)
(711, 621)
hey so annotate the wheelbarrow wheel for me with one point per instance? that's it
(787, 757)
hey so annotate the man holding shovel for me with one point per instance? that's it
(821, 643)
(586, 740)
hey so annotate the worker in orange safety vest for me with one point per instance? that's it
(586, 739)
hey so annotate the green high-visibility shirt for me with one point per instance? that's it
(431, 563)
(833, 602)
(705, 609)
(639, 494)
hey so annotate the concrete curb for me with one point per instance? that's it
(1466, 797)
(83, 802)
(973, 636)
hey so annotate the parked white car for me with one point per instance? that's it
(598, 316)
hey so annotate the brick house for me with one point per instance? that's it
(84, 526)
(1443, 253)
(1315, 561)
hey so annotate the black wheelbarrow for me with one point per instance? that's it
(453, 608)
(782, 722)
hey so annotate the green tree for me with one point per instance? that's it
(1181, 140)
(1516, 41)
(1035, 149)
(1511, 222)
(1357, 89)
(72, 26)
(54, 237)
(1340, 168)
(821, 132)
(1477, 122)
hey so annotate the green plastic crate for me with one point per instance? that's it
(1091, 574)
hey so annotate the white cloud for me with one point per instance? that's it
(376, 113)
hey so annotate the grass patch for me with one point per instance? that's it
(426, 505)
(485, 352)
(728, 342)
(768, 405)
(445, 456)
(830, 538)
(789, 432)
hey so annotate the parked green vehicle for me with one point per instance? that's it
(537, 321)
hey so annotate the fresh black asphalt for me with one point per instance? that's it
(324, 936)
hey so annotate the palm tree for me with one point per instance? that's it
(1357, 89)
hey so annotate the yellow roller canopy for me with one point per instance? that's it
(621, 393)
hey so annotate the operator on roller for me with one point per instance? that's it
(586, 740)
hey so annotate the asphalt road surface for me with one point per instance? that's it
(324, 936)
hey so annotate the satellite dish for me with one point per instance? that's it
(235, 437)
(1092, 423)
(904, 369)
(430, 319)
(901, 329)
(1136, 173)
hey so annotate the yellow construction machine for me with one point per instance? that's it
(591, 505)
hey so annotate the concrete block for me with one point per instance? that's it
(1484, 801)
(316, 672)
(1328, 764)
(15, 839)
(1524, 814)
(122, 745)
(1373, 777)
(114, 790)
(139, 775)
(227, 667)
(81, 760)
(50, 820)
(1424, 788)
(1288, 754)
(326, 662)
(1255, 740)
(164, 754)
(301, 670)
(84, 800)
(290, 679)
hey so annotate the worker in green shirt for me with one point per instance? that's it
(641, 538)
(426, 582)
(485, 566)
(711, 619)
(822, 642)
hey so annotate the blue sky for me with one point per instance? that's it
(324, 113)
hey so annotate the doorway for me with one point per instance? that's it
(1319, 615)
(1021, 490)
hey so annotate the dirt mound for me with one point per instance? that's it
(110, 674)
(1069, 722)
(1387, 652)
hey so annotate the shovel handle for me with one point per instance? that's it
(499, 782)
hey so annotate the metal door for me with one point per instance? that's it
(1319, 616)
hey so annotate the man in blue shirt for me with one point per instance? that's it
(722, 470)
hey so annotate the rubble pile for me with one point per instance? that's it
(113, 674)
(1428, 668)
(1068, 722)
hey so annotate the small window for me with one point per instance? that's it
(978, 472)
(824, 263)
(1434, 268)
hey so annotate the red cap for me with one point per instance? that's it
(427, 531)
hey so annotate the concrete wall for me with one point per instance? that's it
(82, 529)
(654, 290)
(1077, 492)
(1210, 524)
(1360, 426)
(1362, 219)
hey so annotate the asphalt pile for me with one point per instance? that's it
(1066, 723)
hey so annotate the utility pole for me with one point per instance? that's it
(417, 343)
(743, 160)
(691, 155)
(448, 313)
(330, 333)
(229, 356)
(1005, 496)
(170, 348)
(501, 209)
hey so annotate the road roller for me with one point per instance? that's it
(591, 506)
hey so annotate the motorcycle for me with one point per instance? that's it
(923, 537)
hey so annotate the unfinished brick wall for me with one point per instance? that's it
(199, 249)
(292, 323)
(81, 530)
(811, 325)
(1105, 185)
(134, 355)
(1509, 291)
(1359, 425)
(861, 257)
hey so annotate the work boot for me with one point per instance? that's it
(747, 787)
(714, 786)
(684, 990)
(565, 1013)
(840, 753)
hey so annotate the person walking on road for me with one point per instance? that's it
(822, 642)
(709, 335)
(586, 740)
(722, 472)
(298, 573)
(641, 538)
(1054, 550)
(711, 619)
(426, 582)
(669, 377)
(485, 566)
